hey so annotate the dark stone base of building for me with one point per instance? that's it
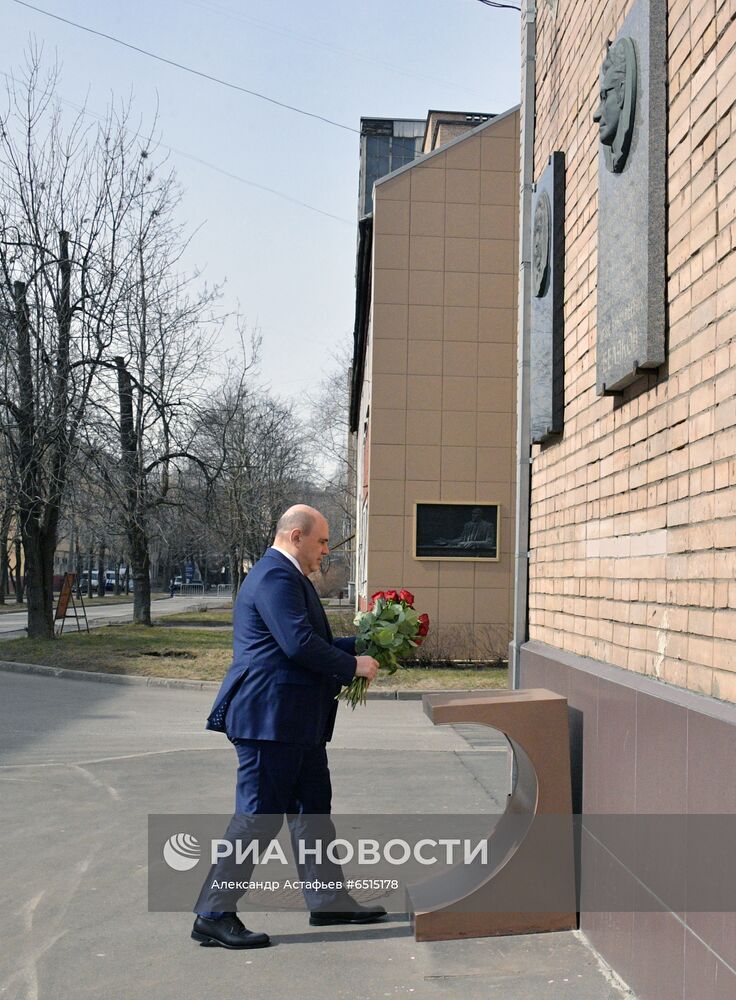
(640, 746)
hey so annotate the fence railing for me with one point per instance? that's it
(188, 589)
(224, 589)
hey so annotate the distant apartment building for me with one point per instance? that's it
(386, 144)
(433, 377)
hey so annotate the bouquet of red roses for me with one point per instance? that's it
(389, 630)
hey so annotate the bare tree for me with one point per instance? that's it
(90, 529)
(161, 367)
(66, 193)
(334, 470)
(7, 512)
(8, 493)
(329, 433)
(262, 460)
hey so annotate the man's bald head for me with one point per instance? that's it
(299, 516)
(302, 532)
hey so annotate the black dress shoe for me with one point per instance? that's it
(357, 914)
(227, 932)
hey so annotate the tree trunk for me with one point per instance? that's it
(4, 561)
(241, 571)
(39, 518)
(101, 581)
(78, 567)
(19, 570)
(39, 553)
(234, 575)
(133, 513)
(3, 568)
(39, 542)
(141, 566)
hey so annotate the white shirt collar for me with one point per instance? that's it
(290, 557)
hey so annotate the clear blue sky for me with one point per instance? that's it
(291, 269)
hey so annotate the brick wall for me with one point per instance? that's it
(633, 516)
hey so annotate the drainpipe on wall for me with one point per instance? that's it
(523, 434)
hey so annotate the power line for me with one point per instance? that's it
(188, 69)
(500, 6)
(206, 163)
(261, 187)
(213, 7)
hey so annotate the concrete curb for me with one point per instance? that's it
(88, 675)
(165, 682)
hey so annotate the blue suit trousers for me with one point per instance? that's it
(275, 779)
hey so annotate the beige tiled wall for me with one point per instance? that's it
(443, 355)
(634, 511)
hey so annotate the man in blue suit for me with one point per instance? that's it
(277, 706)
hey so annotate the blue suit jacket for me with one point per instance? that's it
(286, 668)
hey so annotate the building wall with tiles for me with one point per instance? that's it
(440, 374)
(633, 511)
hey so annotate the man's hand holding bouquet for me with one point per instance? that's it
(388, 631)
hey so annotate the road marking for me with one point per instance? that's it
(88, 776)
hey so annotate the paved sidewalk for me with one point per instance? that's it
(82, 764)
(13, 624)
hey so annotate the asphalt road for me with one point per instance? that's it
(83, 764)
(13, 624)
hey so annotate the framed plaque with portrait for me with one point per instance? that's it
(456, 529)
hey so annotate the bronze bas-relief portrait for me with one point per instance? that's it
(456, 530)
(616, 111)
(540, 244)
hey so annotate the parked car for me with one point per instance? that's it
(84, 582)
(109, 582)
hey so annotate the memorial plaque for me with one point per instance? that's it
(548, 318)
(632, 134)
(454, 530)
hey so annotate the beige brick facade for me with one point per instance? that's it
(633, 511)
(437, 414)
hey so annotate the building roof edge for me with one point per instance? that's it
(442, 149)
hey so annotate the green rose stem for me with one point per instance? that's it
(356, 692)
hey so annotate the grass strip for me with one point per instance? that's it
(196, 653)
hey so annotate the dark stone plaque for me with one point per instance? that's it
(632, 134)
(456, 530)
(548, 333)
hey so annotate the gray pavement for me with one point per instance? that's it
(82, 764)
(13, 624)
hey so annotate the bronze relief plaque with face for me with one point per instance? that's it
(617, 109)
(540, 243)
(631, 136)
(547, 348)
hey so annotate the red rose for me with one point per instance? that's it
(391, 595)
(374, 597)
(423, 624)
(407, 597)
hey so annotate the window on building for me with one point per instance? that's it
(384, 154)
